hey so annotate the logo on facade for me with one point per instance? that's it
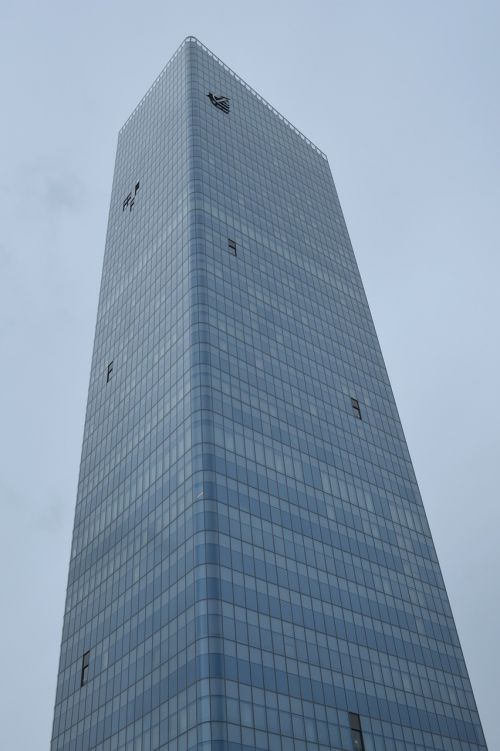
(221, 102)
(130, 199)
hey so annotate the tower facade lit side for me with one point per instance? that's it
(251, 565)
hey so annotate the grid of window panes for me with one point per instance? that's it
(130, 598)
(251, 564)
(329, 598)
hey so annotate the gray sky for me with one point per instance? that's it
(403, 98)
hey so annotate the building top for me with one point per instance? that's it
(191, 39)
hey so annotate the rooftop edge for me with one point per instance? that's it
(191, 39)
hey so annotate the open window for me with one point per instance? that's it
(84, 676)
(356, 734)
(356, 408)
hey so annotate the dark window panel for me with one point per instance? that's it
(85, 668)
(356, 408)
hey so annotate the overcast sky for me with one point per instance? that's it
(404, 99)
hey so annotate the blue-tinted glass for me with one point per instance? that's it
(251, 560)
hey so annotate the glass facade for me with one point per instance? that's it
(251, 565)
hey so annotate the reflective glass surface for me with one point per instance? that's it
(251, 560)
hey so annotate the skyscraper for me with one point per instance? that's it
(251, 565)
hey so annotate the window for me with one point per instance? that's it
(109, 371)
(356, 735)
(231, 244)
(356, 408)
(85, 669)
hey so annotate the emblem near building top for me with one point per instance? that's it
(221, 102)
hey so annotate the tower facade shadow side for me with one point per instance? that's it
(251, 565)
